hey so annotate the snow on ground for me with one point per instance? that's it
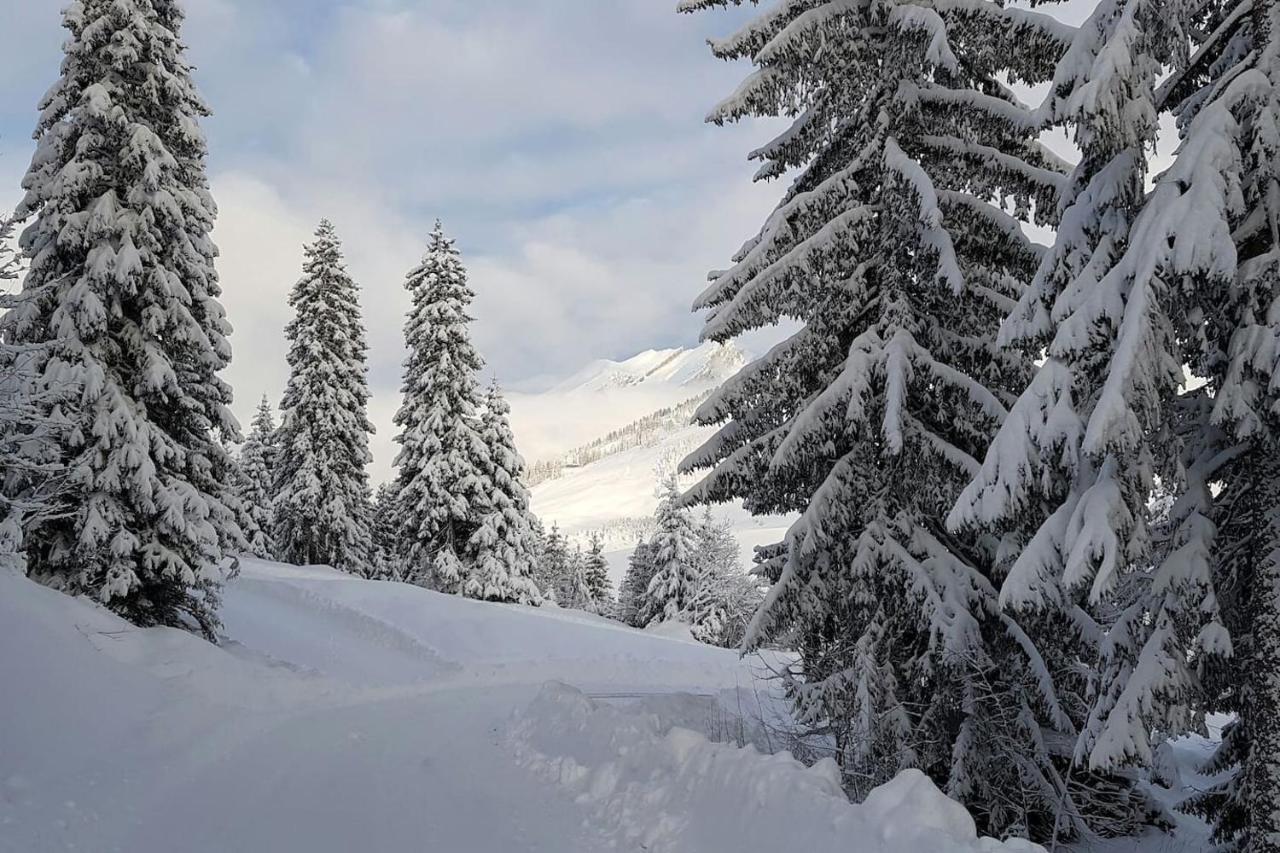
(624, 485)
(656, 788)
(343, 714)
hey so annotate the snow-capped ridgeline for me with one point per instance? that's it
(697, 367)
(604, 396)
(617, 495)
(645, 402)
(652, 429)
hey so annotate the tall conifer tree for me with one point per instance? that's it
(123, 291)
(322, 506)
(29, 470)
(1066, 483)
(10, 261)
(553, 563)
(442, 460)
(575, 588)
(896, 251)
(635, 585)
(386, 561)
(725, 599)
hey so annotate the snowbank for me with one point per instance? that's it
(672, 629)
(674, 790)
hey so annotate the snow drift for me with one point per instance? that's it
(674, 790)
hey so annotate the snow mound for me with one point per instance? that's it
(674, 790)
(672, 629)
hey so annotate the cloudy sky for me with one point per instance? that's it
(561, 142)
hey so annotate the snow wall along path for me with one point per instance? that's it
(674, 790)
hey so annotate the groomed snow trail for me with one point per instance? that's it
(339, 715)
(423, 773)
(345, 715)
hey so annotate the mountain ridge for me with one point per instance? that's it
(708, 364)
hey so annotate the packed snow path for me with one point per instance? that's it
(349, 715)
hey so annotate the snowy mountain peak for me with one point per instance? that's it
(705, 365)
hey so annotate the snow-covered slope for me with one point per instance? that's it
(621, 486)
(343, 714)
(617, 495)
(600, 436)
(606, 395)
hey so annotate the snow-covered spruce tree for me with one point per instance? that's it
(726, 598)
(13, 397)
(675, 554)
(442, 458)
(1066, 483)
(715, 562)
(553, 564)
(257, 480)
(123, 296)
(717, 546)
(385, 563)
(898, 249)
(742, 597)
(29, 470)
(598, 582)
(10, 260)
(502, 550)
(241, 511)
(1215, 218)
(575, 589)
(322, 506)
(635, 585)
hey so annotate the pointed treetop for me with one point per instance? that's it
(495, 402)
(324, 253)
(439, 242)
(263, 419)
